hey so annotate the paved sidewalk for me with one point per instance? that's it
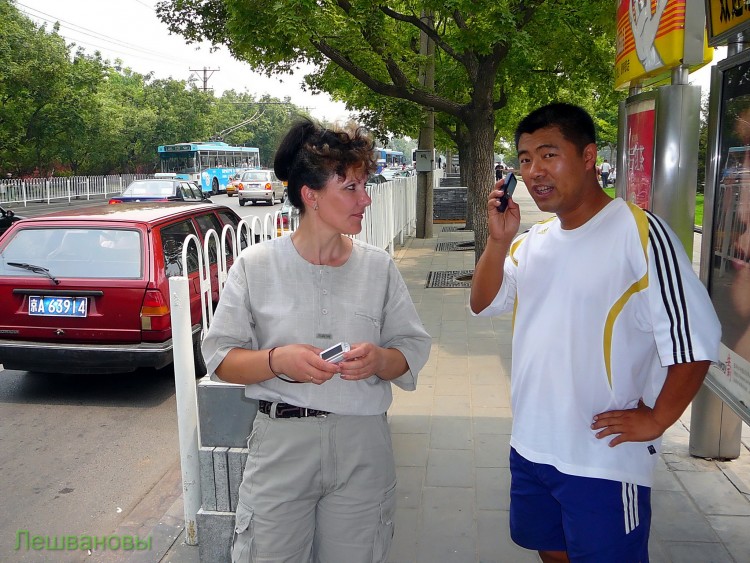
(451, 439)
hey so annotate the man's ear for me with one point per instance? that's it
(589, 156)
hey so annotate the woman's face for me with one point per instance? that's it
(342, 202)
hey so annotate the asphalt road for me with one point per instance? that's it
(78, 453)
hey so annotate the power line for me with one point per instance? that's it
(206, 76)
(100, 37)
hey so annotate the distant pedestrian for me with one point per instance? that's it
(608, 347)
(498, 172)
(320, 478)
(605, 169)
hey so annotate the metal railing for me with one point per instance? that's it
(391, 218)
(40, 190)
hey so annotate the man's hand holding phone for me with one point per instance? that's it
(504, 214)
(508, 187)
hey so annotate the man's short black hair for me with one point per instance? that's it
(573, 121)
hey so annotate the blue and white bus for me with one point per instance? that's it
(211, 164)
(388, 158)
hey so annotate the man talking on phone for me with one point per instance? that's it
(613, 335)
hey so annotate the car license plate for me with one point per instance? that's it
(53, 306)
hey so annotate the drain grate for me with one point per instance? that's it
(460, 245)
(453, 228)
(449, 278)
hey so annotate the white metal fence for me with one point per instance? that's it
(34, 190)
(388, 221)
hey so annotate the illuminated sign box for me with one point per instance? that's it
(725, 19)
(655, 36)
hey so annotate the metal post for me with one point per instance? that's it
(715, 429)
(426, 133)
(187, 406)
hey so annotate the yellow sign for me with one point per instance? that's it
(725, 18)
(653, 37)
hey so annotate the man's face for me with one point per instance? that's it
(557, 174)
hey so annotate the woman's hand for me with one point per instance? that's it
(364, 360)
(302, 363)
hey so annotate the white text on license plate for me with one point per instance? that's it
(53, 306)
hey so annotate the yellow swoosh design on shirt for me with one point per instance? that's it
(641, 221)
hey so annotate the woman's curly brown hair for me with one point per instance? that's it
(309, 155)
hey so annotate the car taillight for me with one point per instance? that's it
(239, 186)
(268, 186)
(113, 201)
(154, 311)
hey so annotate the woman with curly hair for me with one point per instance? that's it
(319, 483)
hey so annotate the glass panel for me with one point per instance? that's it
(157, 188)
(75, 253)
(205, 224)
(172, 240)
(230, 219)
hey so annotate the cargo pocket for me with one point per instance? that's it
(243, 535)
(384, 534)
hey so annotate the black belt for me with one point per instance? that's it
(282, 410)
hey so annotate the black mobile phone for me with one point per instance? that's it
(509, 186)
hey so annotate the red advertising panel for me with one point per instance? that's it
(640, 151)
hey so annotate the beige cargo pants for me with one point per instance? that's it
(317, 490)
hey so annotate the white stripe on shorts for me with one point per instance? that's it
(630, 506)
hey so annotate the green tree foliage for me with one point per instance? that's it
(32, 87)
(703, 145)
(67, 112)
(495, 60)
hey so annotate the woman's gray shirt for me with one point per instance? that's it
(274, 297)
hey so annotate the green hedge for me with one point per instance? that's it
(698, 205)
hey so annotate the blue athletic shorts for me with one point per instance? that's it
(593, 520)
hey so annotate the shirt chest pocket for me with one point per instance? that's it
(363, 326)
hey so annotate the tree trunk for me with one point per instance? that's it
(480, 176)
(465, 164)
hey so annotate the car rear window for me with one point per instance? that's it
(255, 176)
(74, 253)
(149, 188)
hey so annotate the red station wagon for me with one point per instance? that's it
(87, 290)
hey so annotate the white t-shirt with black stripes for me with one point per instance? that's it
(601, 311)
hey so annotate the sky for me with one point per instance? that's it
(129, 30)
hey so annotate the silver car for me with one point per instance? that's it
(260, 185)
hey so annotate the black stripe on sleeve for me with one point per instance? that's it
(672, 291)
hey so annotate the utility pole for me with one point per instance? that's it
(206, 75)
(426, 133)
